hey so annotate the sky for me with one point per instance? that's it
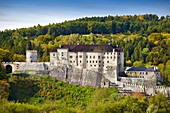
(27, 13)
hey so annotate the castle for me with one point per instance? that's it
(91, 65)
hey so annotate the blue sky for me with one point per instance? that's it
(27, 13)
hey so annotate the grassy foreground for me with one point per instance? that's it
(45, 94)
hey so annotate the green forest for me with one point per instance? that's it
(145, 39)
(45, 94)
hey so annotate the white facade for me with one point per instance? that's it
(92, 60)
(31, 55)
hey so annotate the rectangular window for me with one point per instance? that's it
(93, 61)
(107, 61)
(110, 57)
(96, 61)
(80, 56)
(93, 57)
(99, 61)
(87, 61)
(90, 61)
(80, 61)
(94, 65)
(62, 54)
(71, 56)
(86, 56)
(90, 56)
(70, 61)
(98, 57)
(53, 54)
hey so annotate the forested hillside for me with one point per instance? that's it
(145, 39)
(45, 94)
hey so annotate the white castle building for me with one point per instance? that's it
(104, 60)
(92, 57)
(92, 65)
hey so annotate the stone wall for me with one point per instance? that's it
(138, 81)
(79, 76)
(149, 90)
(28, 66)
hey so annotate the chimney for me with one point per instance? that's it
(110, 43)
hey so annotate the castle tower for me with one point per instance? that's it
(31, 56)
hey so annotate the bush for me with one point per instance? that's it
(11, 107)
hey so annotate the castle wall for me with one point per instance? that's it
(149, 90)
(28, 66)
(145, 74)
(139, 81)
(79, 76)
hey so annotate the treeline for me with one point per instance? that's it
(141, 24)
(36, 94)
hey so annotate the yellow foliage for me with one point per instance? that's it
(156, 42)
(105, 40)
(133, 74)
(4, 88)
(125, 17)
(50, 45)
(47, 36)
(166, 35)
(138, 73)
(4, 54)
(129, 62)
(44, 47)
(40, 38)
(18, 58)
(140, 18)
